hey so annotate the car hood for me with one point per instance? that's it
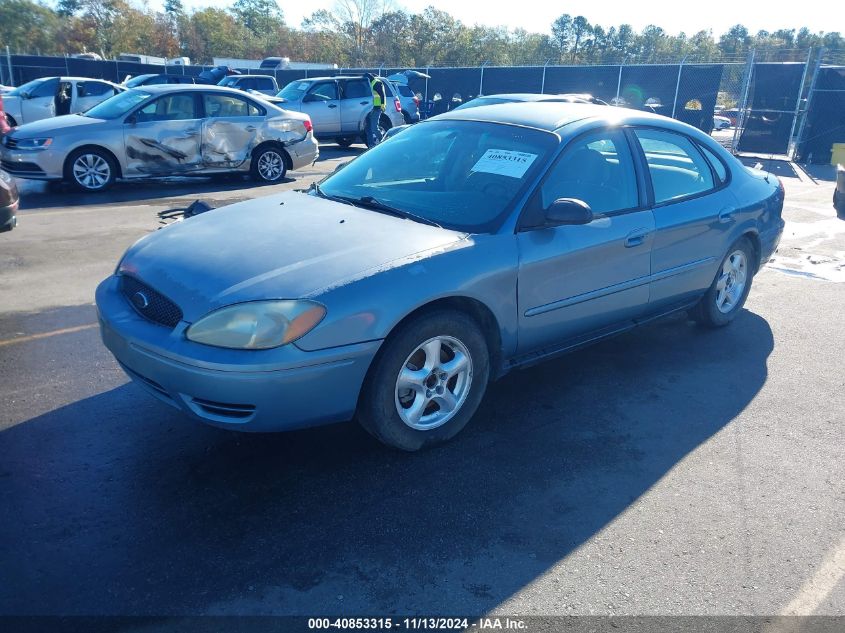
(54, 125)
(286, 246)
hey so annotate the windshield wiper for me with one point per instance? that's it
(377, 205)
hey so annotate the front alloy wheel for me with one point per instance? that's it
(91, 172)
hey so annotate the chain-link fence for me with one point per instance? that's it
(772, 102)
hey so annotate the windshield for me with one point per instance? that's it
(137, 81)
(462, 175)
(28, 87)
(118, 105)
(294, 90)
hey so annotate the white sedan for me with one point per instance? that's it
(54, 96)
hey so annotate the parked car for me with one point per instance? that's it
(839, 192)
(4, 122)
(8, 202)
(55, 96)
(409, 100)
(214, 75)
(457, 102)
(471, 244)
(338, 106)
(163, 130)
(721, 122)
(265, 84)
(159, 78)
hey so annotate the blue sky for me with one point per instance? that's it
(673, 15)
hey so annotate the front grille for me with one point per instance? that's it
(149, 303)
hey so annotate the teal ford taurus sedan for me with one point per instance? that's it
(474, 243)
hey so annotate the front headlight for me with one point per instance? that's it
(257, 324)
(34, 143)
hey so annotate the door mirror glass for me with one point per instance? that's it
(568, 211)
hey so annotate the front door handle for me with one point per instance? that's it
(364, 102)
(332, 105)
(726, 215)
(636, 237)
(250, 128)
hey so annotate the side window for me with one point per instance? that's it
(323, 92)
(716, 163)
(264, 83)
(93, 89)
(677, 168)
(597, 169)
(225, 105)
(175, 107)
(47, 88)
(356, 90)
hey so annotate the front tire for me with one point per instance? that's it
(90, 170)
(269, 165)
(427, 381)
(729, 290)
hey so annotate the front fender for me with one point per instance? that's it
(480, 267)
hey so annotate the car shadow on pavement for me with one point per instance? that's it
(119, 505)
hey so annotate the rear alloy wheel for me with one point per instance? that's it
(269, 165)
(729, 290)
(427, 381)
(90, 170)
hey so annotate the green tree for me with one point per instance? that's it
(27, 26)
(562, 34)
(259, 17)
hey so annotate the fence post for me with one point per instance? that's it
(792, 146)
(678, 86)
(543, 84)
(809, 100)
(619, 81)
(9, 64)
(427, 72)
(743, 104)
(481, 84)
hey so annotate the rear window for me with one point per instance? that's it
(715, 162)
(355, 90)
(264, 83)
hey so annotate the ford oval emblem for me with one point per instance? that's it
(140, 300)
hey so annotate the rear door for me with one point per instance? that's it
(163, 137)
(356, 101)
(693, 213)
(575, 280)
(229, 130)
(322, 104)
(89, 93)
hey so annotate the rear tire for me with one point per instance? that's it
(90, 170)
(426, 382)
(729, 290)
(268, 165)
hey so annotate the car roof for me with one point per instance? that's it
(247, 76)
(553, 115)
(521, 96)
(156, 88)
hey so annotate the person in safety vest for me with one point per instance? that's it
(374, 134)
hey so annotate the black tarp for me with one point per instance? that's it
(826, 116)
(772, 96)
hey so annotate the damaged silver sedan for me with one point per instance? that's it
(164, 130)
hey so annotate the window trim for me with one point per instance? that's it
(728, 173)
(199, 110)
(533, 196)
(262, 112)
(320, 83)
(699, 194)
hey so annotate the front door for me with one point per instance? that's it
(321, 103)
(40, 103)
(229, 130)
(693, 214)
(574, 280)
(163, 137)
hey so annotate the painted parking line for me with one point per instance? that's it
(35, 337)
(816, 590)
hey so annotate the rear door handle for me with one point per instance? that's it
(726, 215)
(332, 105)
(250, 128)
(636, 237)
(363, 102)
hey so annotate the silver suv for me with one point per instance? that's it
(265, 84)
(338, 106)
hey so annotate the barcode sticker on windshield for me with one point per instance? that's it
(504, 162)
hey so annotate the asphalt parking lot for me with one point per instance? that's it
(670, 471)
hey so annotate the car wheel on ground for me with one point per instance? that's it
(268, 165)
(726, 295)
(427, 381)
(90, 170)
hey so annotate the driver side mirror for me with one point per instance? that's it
(131, 120)
(25, 95)
(568, 211)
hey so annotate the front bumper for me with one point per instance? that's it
(33, 164)
(271, 390)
